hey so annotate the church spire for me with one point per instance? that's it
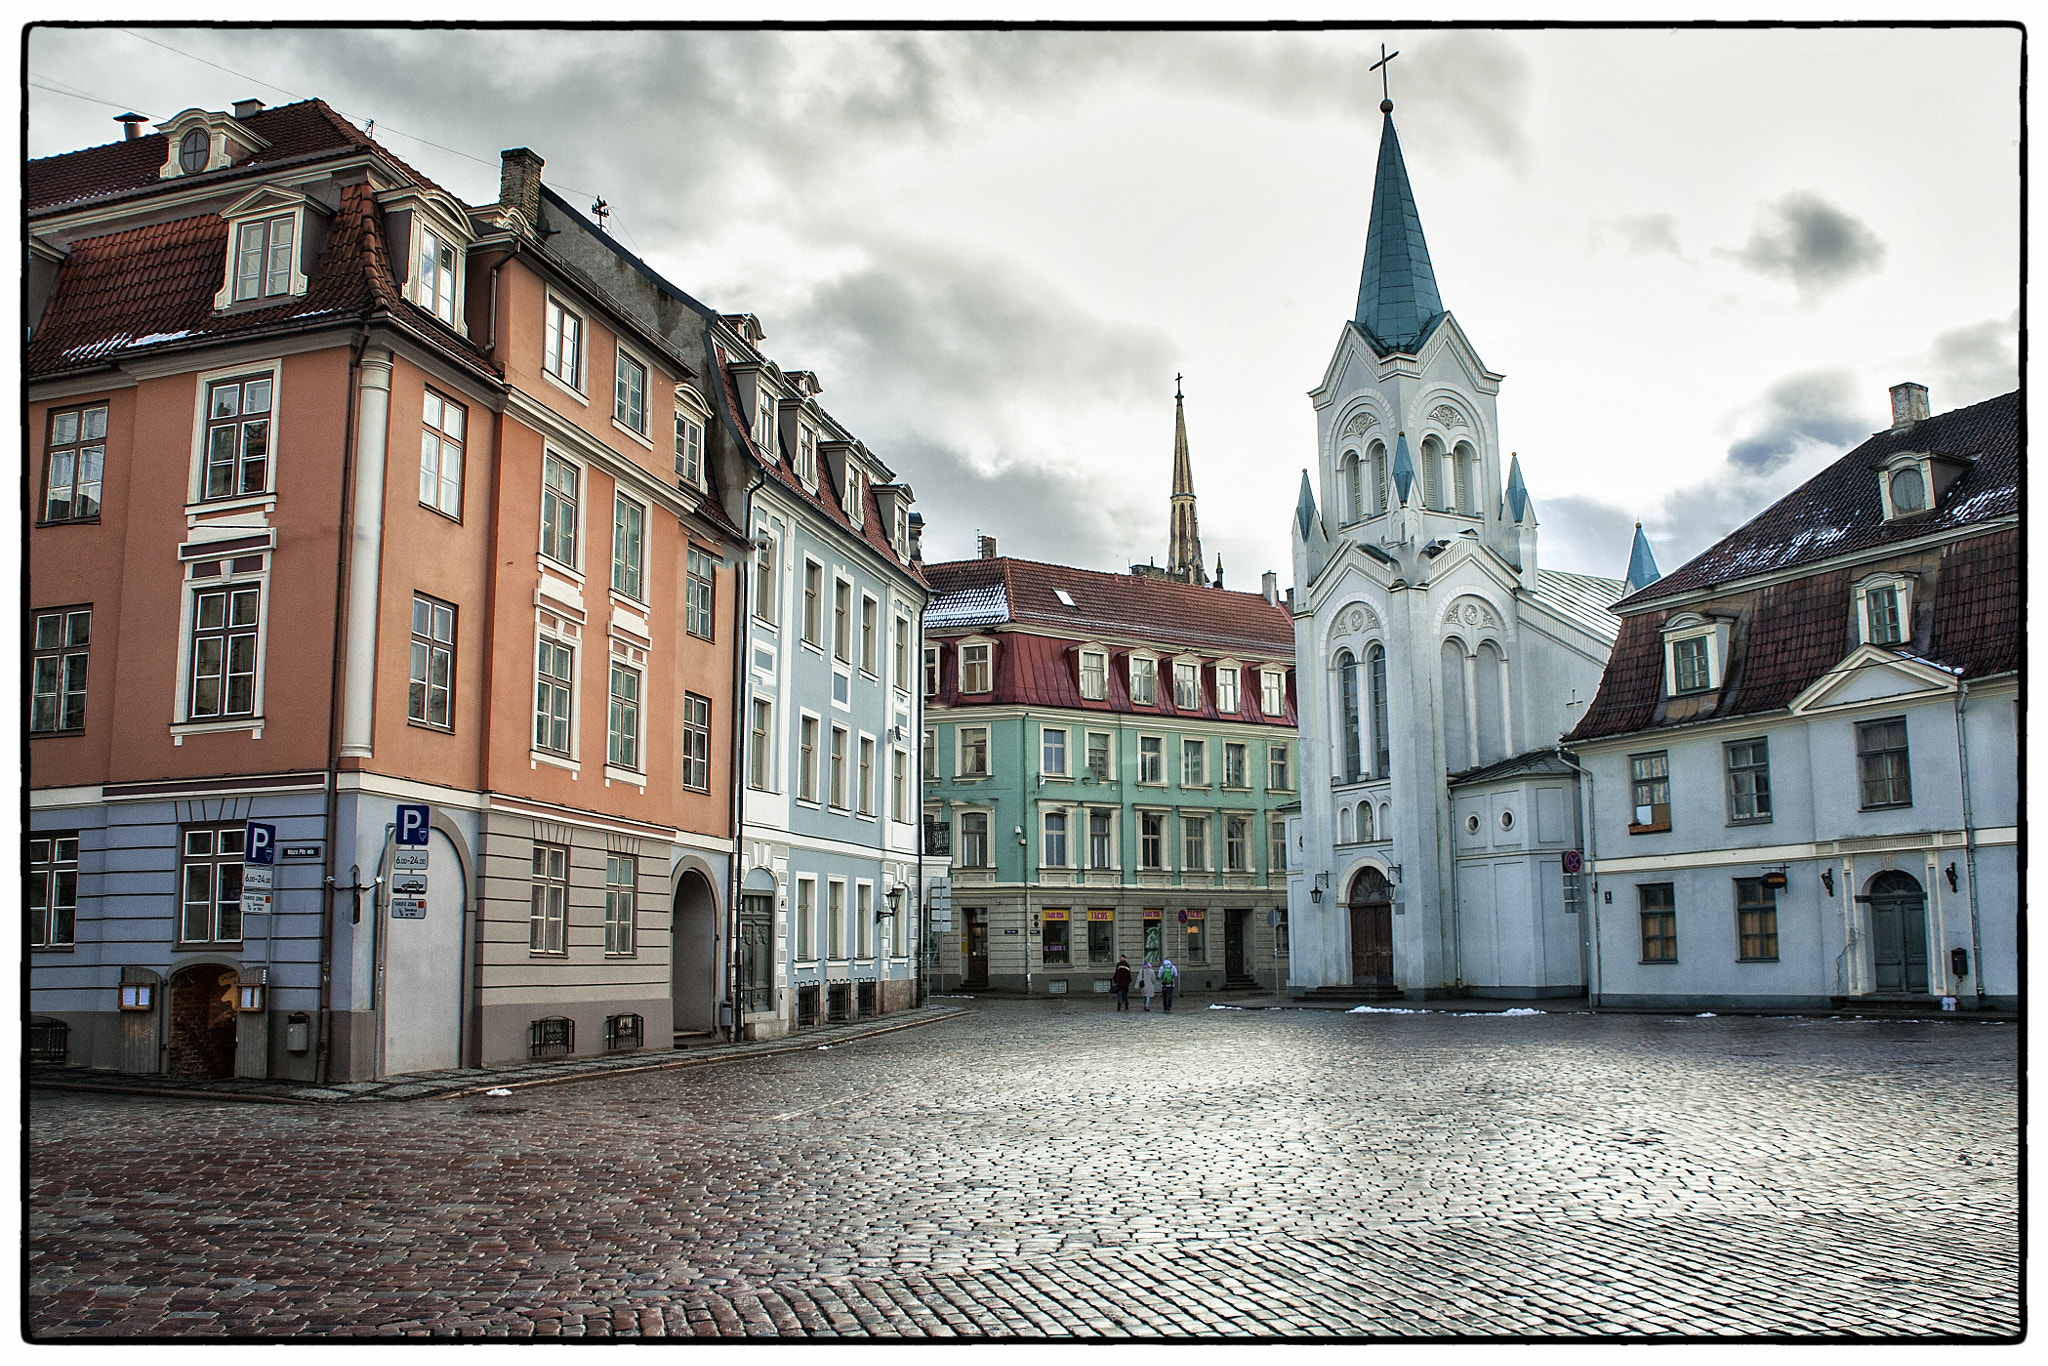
(1397, 298)
(1642, 565)
(1184, 537)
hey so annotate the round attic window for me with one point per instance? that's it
(1909, 493)
(1507, 820)
(1471, 825)
(192, 150)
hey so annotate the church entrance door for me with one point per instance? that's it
(1372, 930)
(1898, 932)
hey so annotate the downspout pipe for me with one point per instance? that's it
(1970, 846)
(1589, 929)
(742, 635)
(323, 1053)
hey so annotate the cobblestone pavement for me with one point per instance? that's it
(1034, 1169)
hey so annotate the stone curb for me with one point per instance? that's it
(700, 1057)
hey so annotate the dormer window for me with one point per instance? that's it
(1227, 674)
(1273, 692)
(902, 537)
(1884, 609)
(1144, 680)
(689, 449)
(807, 456)
(974, 670)
(1913, 482)
(1187, 685)
(1695, 654)
(854, 496)
(263, 257)
(764, 424)
(1909, 491)
(193, 151)
(1094, 675)
(199, 140)
(435, 285)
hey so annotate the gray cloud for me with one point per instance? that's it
(1642, 234)
(1033, 512)
(1810, 242)
(1973, 363)
(1818, 407)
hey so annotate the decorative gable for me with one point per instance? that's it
(198, 141)
(1871, 674)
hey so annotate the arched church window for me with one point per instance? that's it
(1432, 472)
(1466, 464)
(1376, 684)
(1344, 824)
(1386, 822)
(1365, 821)
(1347, 692)
(1455, 717)
(1379, 478)
(1354, 493)
(1490, 703)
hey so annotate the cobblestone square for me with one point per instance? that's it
(1038, 1169)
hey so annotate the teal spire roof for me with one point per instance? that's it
(1518, 492)
(1642, 565)
(1305, 507)
(1404, 467)
(1397, 298)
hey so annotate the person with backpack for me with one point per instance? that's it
(1121, 981)
(1169, 978)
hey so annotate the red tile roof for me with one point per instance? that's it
(1212, 621)
(154, 286)
(1839, 510)
(298, 132)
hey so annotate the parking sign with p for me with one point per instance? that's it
(412, 824)
(261, 846)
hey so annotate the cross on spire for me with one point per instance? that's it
(1386, 99)
(1176, 385)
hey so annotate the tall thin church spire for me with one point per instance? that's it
(1397, 296)
(1184, 536)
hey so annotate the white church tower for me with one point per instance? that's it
(1437, 665)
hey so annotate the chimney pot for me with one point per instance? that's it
(248, 109)
(1269, 587)
(988, 547)
(1909, 404)
(519, 182)
(131, 124)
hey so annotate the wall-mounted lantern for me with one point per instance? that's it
(1827, 880)
(1950, 873)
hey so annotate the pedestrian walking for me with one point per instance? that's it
(1148, 981)
(1122, 982)
(1169, 978)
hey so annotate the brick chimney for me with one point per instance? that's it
(248, 109)
(988, 547)
(1269, 586)
(519, 182)
(1909, 404)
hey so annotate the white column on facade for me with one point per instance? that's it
(366, 552)
(1471, 709)
(1507, 710)
(1852, 938)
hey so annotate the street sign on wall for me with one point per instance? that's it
(414, 823)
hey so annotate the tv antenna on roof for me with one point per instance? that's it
(603, 212)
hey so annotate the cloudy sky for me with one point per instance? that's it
(1699, 258)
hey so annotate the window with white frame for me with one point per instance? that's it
(1144, 680)
(630, 404)
(1194, 763)
(435, 284)
(807, 759)
(870, 630)
(1152, 759)
(1695, 654)
(210, 884)
(764, 423)
(547, 919)
(1194, 843)
(51, 898)
(807, 455)
(1101, 846)
(1906, 483)
(764, 576)
(554, 672)
(428, 699)
(560, 481)
(1053, 851)
(562, 349)
(1650, 785)
(807, 919)
(973, 751)
(842, 621)
(1053, 751)
(621, 878)
(1273, 692)
(760, 751)
(899, 785)
(1276, 849)
(931, 671)
(1152, 840)
(929, 753)
(864, 919)
(1749, 781)
(814, 604)
(1226, 688)
(974, 847)
(864, 783)
(835, 918)
(237, 437)
(837, 786)
(225, 624)
(1884, 609)
(1187, 685)
(1236, 768)
(1237, 844)
(622, 727)
(73, 462)
(1094, 675)
(59, 647)
(263, 256)
(856, 502)
(1278, 778)
(629, 546)
(1882, 763)
(1100, 756)
(900, 675)
(689, 449)
(696, 742)
(442, 421)
(698, 598)
(974, 668)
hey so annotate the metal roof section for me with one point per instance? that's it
(1642, 565)
(1397, 294)
(978, 605)
(1518, 492)
(1583, 599)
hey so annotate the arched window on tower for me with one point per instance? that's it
(1365, 822)
(1432, 472)
(1347, 694)
(1376, 683)
(1489, 689)
(1344, 824)
(1379, 477)
(1453, 716)
(1354, 491)
(1465, 468)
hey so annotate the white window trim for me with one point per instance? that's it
(273, 208)
(960, 751)
(1279, 679)
(1899, 583)
(960, 649)
(1919, 460)
(689, 408)
(1181, 757)
(1223, 775)
(1081, 670)
(1208, 819)
(632, 776)
(1174, 680)
(195, 482)
(417, 288)
(961, 811)
(835, 920)
(796, 936)
(766, 749)
(929, 657)
(877, 780)
(856, 502)
(901, 681)
(620, 355)
(582, 396)
(1110, 735)
(824, 608)
(1141, 780)
(573, 760)
(574, 570)
(1116, 848)
(1045, 814)
(899, 812)
(836, 800)
(1066, 735)
(860, 637)
(820, 761)
(1152, 666)
(1235, 671)
(1687, 627)
(181, 699)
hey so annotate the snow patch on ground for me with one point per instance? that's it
(1383, 1010)
(1518, 1010)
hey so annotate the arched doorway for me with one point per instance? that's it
(693, 955)
(1898, 932)
(203, 1022)
(1372, 929)
(423, 964)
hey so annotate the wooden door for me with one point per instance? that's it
(1235, 964)
(1898, 933)
(974, 946)
(1372, 930)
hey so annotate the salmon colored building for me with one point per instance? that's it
(358, 517)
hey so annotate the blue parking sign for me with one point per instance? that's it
(261, 846)
(412, 824)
